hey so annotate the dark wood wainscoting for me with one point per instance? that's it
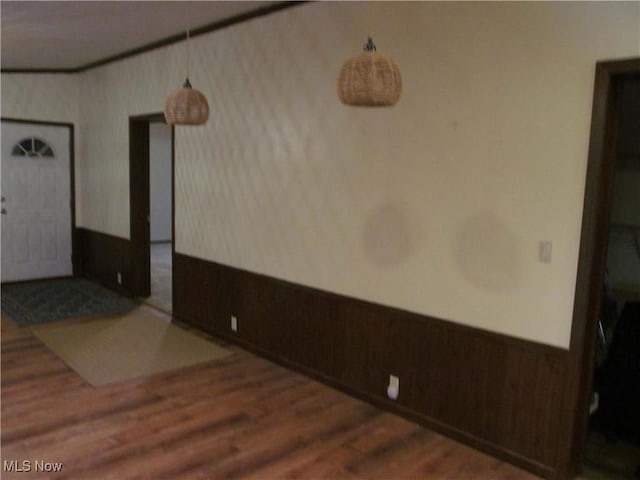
(496, 393)
(102, 256)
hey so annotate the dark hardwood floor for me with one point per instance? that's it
(239, 417)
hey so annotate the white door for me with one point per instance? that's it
(36, 202)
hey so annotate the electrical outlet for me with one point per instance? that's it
(234, 323)
(119, 278)
(394, 387)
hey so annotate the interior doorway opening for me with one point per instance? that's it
(160, 215)
(608, 283)
(152, 209)
(612, 447)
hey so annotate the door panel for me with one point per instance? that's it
(36, 192)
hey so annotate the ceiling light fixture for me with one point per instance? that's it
(369, 79)
(186, 106)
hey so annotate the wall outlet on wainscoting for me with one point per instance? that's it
(119, 278)
(394, 387)
(234, 323)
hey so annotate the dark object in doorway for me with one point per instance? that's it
(618, 414)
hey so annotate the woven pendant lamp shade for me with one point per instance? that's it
(186, 106)
(369, 79)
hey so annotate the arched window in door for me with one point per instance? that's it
(32, 147)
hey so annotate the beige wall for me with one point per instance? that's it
(108, 97)
(435, 206)
(43, 97)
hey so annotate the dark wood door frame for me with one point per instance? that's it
(593, 253)
(76, 254)
(139, 197)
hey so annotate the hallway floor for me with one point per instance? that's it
(161, 292)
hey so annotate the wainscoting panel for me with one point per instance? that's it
(101, 256)
(499, 394)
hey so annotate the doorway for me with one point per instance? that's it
(161, 215)
(151, 170)
(37, 200)
(590, 296)
(613, 440)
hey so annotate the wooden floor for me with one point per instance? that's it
(239, 417)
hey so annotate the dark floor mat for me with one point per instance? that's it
(43, 301)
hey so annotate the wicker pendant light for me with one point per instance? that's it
(186, 106)
(369, 79)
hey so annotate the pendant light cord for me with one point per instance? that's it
(187, 83)
(187, 53)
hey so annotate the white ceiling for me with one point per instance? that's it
(64, 35)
